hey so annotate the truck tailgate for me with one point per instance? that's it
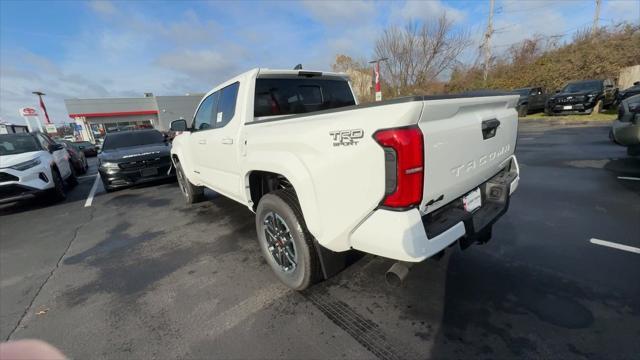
(466, 142)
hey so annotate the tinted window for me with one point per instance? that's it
(44, 141)
(583, 86)
(17, 144)
(202, 120)
(227, 105)
(299, 95)
(132, 138)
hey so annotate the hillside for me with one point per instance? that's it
(534, 62)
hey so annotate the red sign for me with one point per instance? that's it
(29, 112)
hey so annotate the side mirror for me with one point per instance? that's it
(55, 147)
(179, 125)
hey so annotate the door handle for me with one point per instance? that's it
(202, 141)
(227, 141)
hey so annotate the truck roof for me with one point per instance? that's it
(255, 72)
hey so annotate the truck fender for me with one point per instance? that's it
(292, 168)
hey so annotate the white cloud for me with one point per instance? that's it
(332, 12)
(199, 64)
(102, 7)
(426, 10)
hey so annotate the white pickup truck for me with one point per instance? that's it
(403, 179)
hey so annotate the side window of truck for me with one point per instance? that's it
(202, 120)
(226, 105)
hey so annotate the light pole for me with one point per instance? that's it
(44, 108)
(376, 74)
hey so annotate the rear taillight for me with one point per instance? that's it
(404, 162)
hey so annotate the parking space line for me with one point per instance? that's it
(615, 245)
(628, 178)
(92, 193)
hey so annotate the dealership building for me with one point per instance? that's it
(94, 118)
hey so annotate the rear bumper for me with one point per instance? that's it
(409, 236)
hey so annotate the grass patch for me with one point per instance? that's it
(607, 115)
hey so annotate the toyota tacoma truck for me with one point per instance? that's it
(402, 179)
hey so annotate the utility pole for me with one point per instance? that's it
(486, 43)
(376, 77)
(596, 18)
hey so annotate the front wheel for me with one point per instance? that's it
(193, 194)
(598, 107)
(285, 241)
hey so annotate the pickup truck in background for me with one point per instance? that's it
(402, 179)
(532, 100)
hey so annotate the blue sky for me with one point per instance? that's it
(90, 49)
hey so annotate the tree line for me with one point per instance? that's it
(425, 58)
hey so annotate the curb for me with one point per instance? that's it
(568, 122)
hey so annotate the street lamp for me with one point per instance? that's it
(376, 73)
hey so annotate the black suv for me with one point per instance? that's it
(582, 97)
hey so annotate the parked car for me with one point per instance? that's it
(133, 157)
(33, 164)
(629, 92)
(325, 175)
(86, 147)
(625, 130)
(76, 157)
(532, 99)
(582, 97)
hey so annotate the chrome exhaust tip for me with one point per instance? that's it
(397, 273)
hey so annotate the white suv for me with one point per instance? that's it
(31, 164)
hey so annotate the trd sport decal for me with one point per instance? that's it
(346, 137)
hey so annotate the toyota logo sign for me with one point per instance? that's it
(28, 112)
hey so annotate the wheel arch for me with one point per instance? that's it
(262, 180)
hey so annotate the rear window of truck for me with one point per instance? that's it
(298, 96)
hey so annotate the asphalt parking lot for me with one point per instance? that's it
(139, 274)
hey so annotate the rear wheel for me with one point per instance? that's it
(523, 110)
(72, 180)
(192, 193)
(285, 241)
(57, 193)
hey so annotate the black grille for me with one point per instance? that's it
(7, 177)
(573, 100)
(8, 191)
(140, 164)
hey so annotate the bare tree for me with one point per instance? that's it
(419, 54)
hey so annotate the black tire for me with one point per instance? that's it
(597, 107)
(72, 180)
(523, 110)
(193, 194)
(284, 204)
(58, 192)
(547, 112)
